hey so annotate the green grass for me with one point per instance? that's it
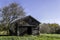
(40, 37)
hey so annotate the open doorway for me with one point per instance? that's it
(29, 30)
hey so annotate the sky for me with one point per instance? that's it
(45, 11)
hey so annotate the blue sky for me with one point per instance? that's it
(45, 11)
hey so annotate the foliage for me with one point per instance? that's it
(44, 28)
(3, 33)
(9, 13)
(39, 37)
(49, 28)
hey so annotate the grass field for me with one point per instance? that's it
(41, 37)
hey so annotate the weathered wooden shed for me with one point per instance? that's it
(26, 25)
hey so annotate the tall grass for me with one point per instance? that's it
(31, 37)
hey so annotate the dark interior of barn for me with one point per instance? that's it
(29, 30)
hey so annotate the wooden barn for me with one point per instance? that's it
(27, 25)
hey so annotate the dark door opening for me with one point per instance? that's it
(29, 30)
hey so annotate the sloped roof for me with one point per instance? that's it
(26, 18)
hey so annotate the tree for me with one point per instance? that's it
(11, 12)
(54, 27)
(49, 28)
(44, 28)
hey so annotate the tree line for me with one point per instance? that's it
(50, 28)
